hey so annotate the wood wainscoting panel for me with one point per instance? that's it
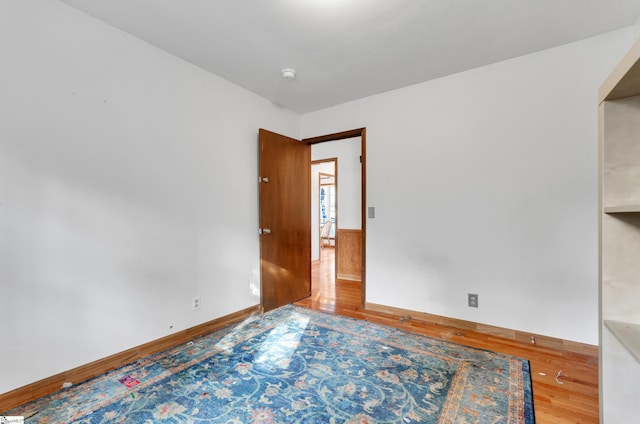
(82, 373)
(349, 254)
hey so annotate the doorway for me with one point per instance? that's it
(324, 224)
(324, 206)
(338, 258)
(328, 208)
(285, 221)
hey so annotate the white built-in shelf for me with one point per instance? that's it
(619, 124)
(628, 334)
(622, 209)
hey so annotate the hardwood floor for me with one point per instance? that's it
(565, 384)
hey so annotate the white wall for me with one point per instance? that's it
(486, 182)
(349, 178)
(128, 185)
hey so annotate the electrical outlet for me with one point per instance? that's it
(473, 300)
(196, 303)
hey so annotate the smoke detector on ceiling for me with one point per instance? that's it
(288, 73)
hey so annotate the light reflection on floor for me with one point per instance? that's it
(287, 338)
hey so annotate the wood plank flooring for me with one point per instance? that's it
(565, 384)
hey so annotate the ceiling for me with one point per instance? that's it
(344, 50)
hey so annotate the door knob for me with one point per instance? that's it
(266, 231)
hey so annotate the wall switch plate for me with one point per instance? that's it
(473, 300)
(371, 212)
(196, 303)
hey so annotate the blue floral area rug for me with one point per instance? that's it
(295, 365)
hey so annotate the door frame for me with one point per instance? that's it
(362, 133)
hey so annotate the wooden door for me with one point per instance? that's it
(285, 220)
